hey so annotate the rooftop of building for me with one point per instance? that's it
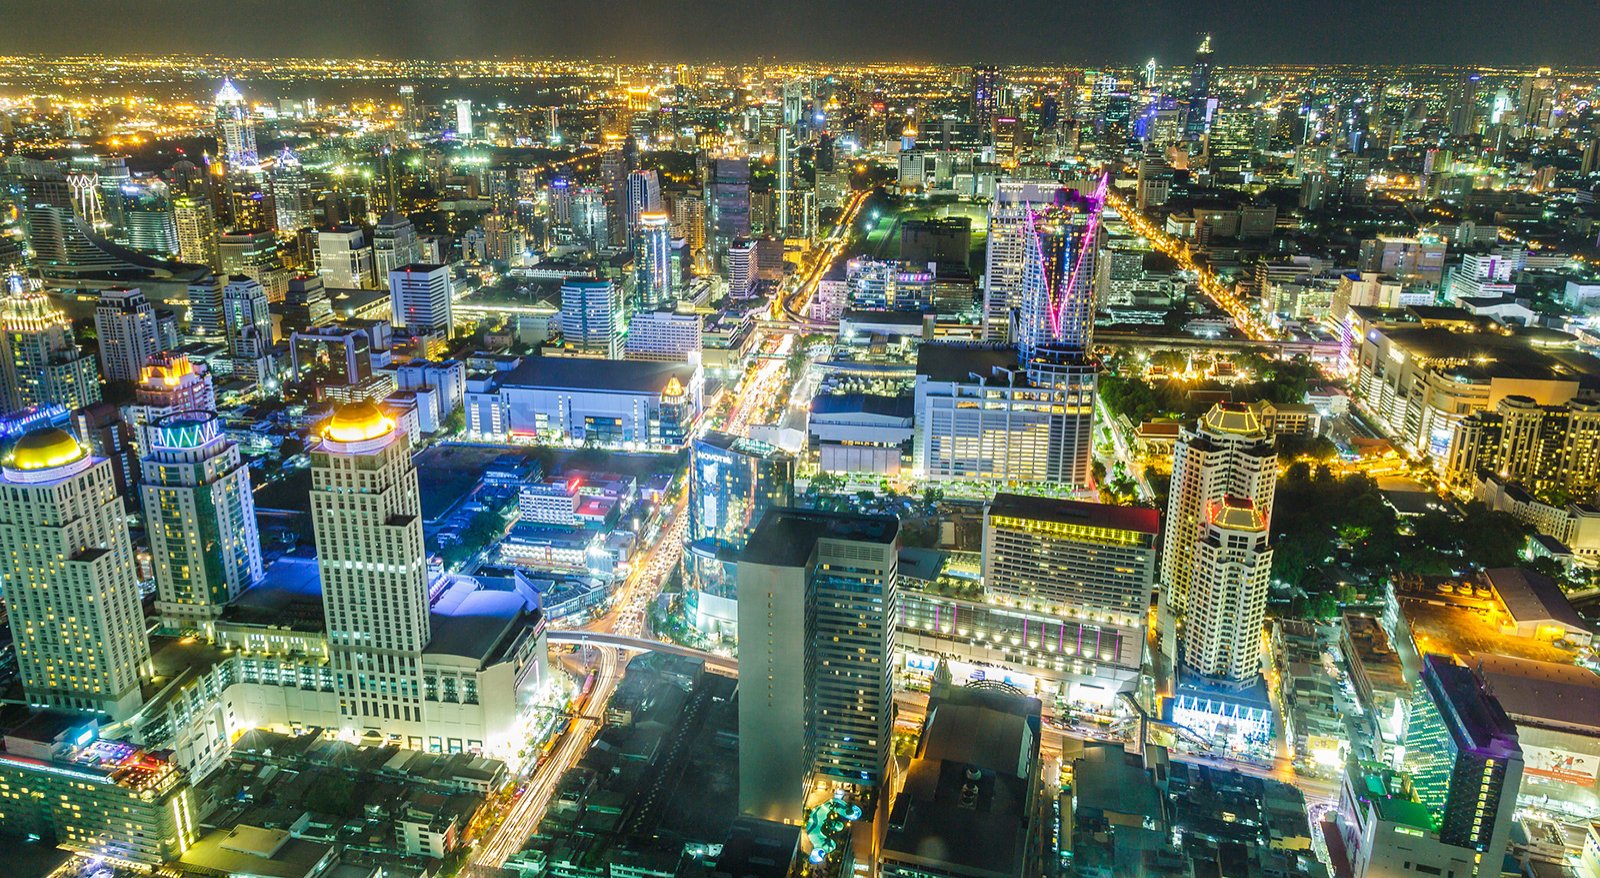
(1107, 778)
(957, 814)
(757, 848)
(991, 729)
(960, 362)
(471, 621)
(741, 444)
(882, 405)
(288, 595)
(1078, 512)
(1473, 711)
(883, 317)
(1533, 597)
(1543, 693)
(249, 850)
(1390, 793)
(635, 376)
(787, 537)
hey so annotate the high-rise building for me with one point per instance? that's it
(394, 243)
(170, 383)
(1056, 302)
(422, 299)
(235, 129)
(291, 193)
(345, 259)
(664, 335)
(200, 514)
(817, 615)
(591, 317)
(40, 359)
(1465, 760)
(985, 98)
(1228, 594)
(71, 588)
(733, 482)
(1009, 214)
(1068, 557)
(740, 264)
(1462, 111)
(727, 203)
(147, 218)
(463, 119)
(643, 196)
(1197, 111)
(785, 190)
(197, 231)
(366, 516)
(206, 307)
(125, 323)
(1551, 450)
(249, 322)
(256, 254)
(1226, 454)
(652, 261)
(306, 305)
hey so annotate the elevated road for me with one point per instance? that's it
(642, 644)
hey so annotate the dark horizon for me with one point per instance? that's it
(1557, 33)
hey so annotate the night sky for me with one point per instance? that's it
(1527, 32)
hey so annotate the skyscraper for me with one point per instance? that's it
(205, 307)
(345, 258)
(1226, 454)
(591, 317)
(170, 383)
(394, 243)
(291, 193)
(463, 119)
(643, 196)
(236, 130)
(40, 358)
(249, 323)
(1197, 112)
(421, 298)
(652, 261)
(1070, 557)
(733, 482)
(197, 231)
(1056, 301)
(1462, 111)
(785, 193)
(1009, 215)
(1465, 760)
(985, 99)
(366, 516)
(71, 588)
(818, 606)
(1228, 594)
(125, 322)
(727, 205)
(200, 516)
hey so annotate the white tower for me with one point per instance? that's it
(1228, 595)
(236, 131)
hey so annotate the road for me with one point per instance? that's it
(1213, 289)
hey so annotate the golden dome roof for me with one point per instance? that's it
(357, 422)
(45, 448)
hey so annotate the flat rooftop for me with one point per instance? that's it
(786, 537)
(1077, 512)
(632, 376)
(959, 362)
(1556, 696)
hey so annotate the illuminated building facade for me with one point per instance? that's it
(236, 130)
(40, 358)
(101, 798)
(1228, 594)
(71, 588)
(592, 319)
(421, 296)
(817, 617)
(609, 403)
(200, 516)
(732, 483)
(170, 383)
(1465, 760)
(125, 323)
(652, 261)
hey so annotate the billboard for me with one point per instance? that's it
(1561, 765)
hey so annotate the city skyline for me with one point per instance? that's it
(1552, 32)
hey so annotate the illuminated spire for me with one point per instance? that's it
(229, 93)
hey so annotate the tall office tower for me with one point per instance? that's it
(345, 258)
(394, 243)
(652, 262)
(1197, 111)
(421, 298)
(733, 482)
(985, 99)
(1060, 251)
(1226, 454)
(291, 193)
(170, 383)
(255, 254)
(1071, 558)
(740, 265)
(463, 119)
(40, 358)
(366, 517)
(197, 231)
(147, 218)
(201, 518)
(818, 605)
(591, 220)
(306, 306)
(236, 130)
(125, 323)
(206, 307)
(410, 121)
(71, 588)
(727, 203)
(249, 325)
(1465, 760)
(1009, 216)
(614, 185)
(1463, 106)
(591, 317)
(1228, 594)
(643, 196)
(794, 109)
(785, 193)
